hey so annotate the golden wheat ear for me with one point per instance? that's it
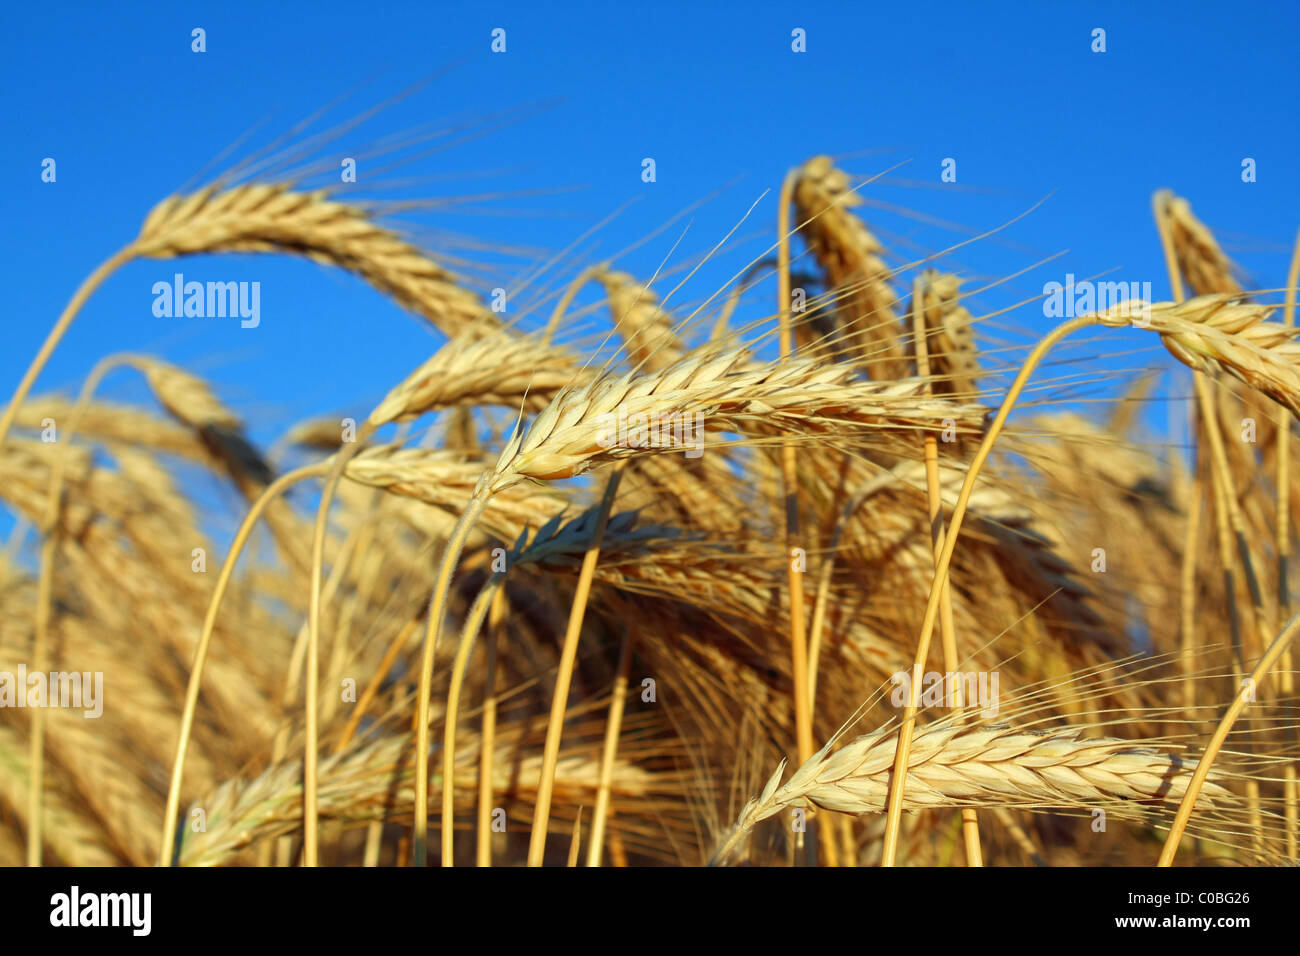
(277, 218)
(867, 327)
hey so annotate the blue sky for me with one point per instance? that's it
(712, 92)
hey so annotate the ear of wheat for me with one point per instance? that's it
(996, 765)
(495, 368)
(267, 217)
(1219, 333)
(648, 330)
(954, 365)
(447, 480)
(374, 782)
(1201, 260)
(191, 401)
(573, 433)
(868, 327)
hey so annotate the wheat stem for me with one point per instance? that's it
(790, 480)
(1227, 514)
(947, 626)
(205, 640)
(904, 744)
(437, 610)
(1191, 546)
(566, 300)
(44, 594)
(84, 292)
(613, 725)
(473, 621)
(36, 774)
(311, 739)
(488, 734)
(376, 679)
(575, 840)
(818, 623)
(1292, 785)
(564, 674)
(1203, 766)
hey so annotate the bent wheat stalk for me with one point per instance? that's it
(205, 640)
(553, 541)
(1283, 545)
(473, 621)
(437, 608)
(944, 561)
(188, 399)
(311, 738)
(79, 298)
(265, 217)
(487, 735)
(494, 366)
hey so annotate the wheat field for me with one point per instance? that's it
(644, 584)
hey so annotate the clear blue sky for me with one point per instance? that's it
(711, 91)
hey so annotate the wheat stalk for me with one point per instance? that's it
(573, 434)
(582, 536)
(1209, 271)
(1183, 326)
